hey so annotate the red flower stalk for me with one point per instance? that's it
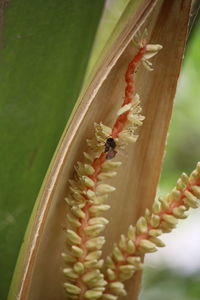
(88, 193)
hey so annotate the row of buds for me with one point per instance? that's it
(143, 55)
(126, 257)
(134, 119)
(87, 196)
(86, 203)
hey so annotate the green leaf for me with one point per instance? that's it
(46, 45)
(113, 10)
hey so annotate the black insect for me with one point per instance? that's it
(110, 146)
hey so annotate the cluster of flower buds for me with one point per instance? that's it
(85, 278)
(151, 51)
(86, 203)
(134, 119)
(126, 257)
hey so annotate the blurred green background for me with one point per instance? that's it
(183, 144)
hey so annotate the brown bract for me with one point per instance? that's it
(37, 274)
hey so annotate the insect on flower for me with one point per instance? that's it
(110, 146)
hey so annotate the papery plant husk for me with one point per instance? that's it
(38, 273)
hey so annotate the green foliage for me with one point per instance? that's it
(111, 14)
(183, 146)
(165, 284)
(46, 46)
